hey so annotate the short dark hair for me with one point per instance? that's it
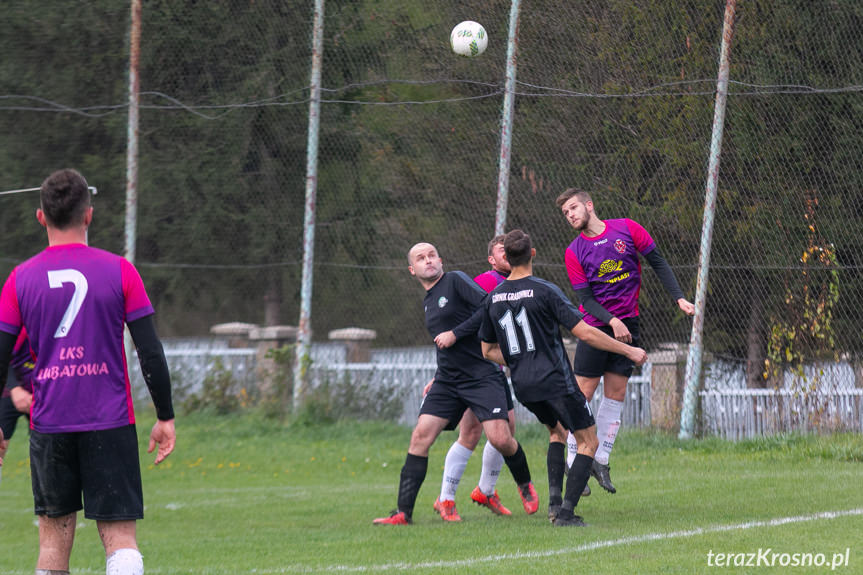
(583, 196)
(65, 198)
(517, 246)
(498, 239)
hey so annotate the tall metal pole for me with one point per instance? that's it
(130, 231)
(507, 120)
(304, 332)
(693, 361)
(132, 133)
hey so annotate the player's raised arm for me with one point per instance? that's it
(666, 276)
(686, 306)
(491, 351)
(594, 308)
(475, 297)
(596, 338)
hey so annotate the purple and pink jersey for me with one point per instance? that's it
(73, 301)
(22, 362)
(489, 280)
(609, 265)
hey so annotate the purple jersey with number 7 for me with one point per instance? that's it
(74, 301)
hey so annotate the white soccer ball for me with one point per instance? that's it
(468, 39)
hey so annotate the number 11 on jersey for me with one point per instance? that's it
(508, 323)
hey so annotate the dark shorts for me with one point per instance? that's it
(9, 415)
(488, 398)
(509, 403)
(571, 410)
(101, 465)
(592, 362)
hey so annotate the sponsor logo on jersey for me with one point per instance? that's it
(620, 246)
(614, 280)
(441, 303)
(600, 242)
(610, 267)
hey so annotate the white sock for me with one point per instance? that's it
(453, 469)
(571, 449)
(492, 463)
(125, 562)
(607, 424)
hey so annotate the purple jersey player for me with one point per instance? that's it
(605, 271)
(80, 380)
(74, 301)
(608, 264)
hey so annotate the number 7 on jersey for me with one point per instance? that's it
(56, 279)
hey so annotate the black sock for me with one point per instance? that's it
(579, 473)
(555, 461)
(517, 463)
(412, 477)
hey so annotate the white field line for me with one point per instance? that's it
(491, 559)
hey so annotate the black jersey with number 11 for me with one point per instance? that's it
(524, 316)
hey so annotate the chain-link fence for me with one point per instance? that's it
(614, 97)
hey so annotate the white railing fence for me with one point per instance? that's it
(746, 413)
(728, 413)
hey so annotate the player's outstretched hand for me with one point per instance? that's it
(445, 339)
(687, 306)
(638, 355)
(21, 399)
(165, 436)
(621, 332)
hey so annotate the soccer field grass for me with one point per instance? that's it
(242, 495)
